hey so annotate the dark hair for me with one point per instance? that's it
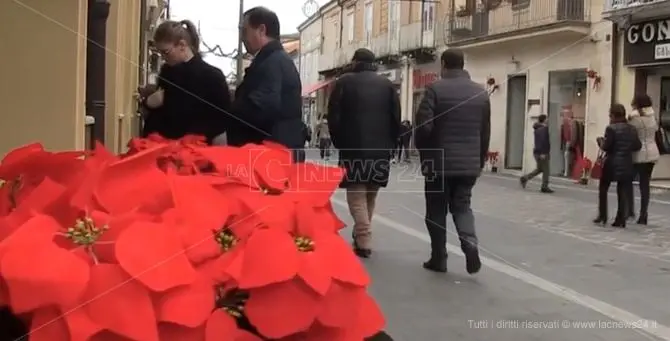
(641, 101)
(542, 118)
(453, 59)
(260, 15)
(174, 31)
(363, 55)
(617, 111)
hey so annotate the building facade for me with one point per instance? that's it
(308, 65)
(537, 57)
(51, 99)
(642, 59)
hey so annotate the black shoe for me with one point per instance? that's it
(472, 262)
(363, 253)
(546, 190)
(619, 223)
(600, 221)
(359, 251)
(642, 220)
(523, 182)
(436, 264)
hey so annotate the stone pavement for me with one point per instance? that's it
(548, 274)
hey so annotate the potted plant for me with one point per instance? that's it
(176, 240)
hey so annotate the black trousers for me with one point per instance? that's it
(445, 195)
(643, 172)
(623, 188)
(324, 147)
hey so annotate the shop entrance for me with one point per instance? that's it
(566, 115)
(516, 119)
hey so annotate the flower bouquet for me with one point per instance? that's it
(177, 241)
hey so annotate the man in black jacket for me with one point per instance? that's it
(452, 133)
(268, 103)
(364, 122)
(541, 150)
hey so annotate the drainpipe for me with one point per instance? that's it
(341, 4)
(615, 62)
(423, 23)
(98, 12)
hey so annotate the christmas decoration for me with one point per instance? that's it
(593, 75)
(175, 241)
(491, 85)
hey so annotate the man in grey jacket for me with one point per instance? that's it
(452, 134)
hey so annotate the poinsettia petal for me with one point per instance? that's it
(329, 218)
(34, 276)
(341, 305)
(132, 182)
(314, 183)
(341, 260)
(173, 332)
(47, 325)
(220, 327)
(105, 248)
(108, 296)
(272, 210)
(42, 196)
(80, 326)
(153, 255)
(270, 257)
(370, 320)
(35, 230)
(279, 310)
(314, 274)
(188, 306)
(198, 204)
(270, 165)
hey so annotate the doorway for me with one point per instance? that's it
(516, 120)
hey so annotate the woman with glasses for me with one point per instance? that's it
(192, 96)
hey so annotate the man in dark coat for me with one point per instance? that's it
(268, 103)
(541, 150)
(452, 133)
(364, 122)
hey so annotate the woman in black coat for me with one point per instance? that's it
(192, 96)
(619, 143)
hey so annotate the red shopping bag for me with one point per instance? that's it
(597, 170)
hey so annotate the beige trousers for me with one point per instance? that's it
(361, 200)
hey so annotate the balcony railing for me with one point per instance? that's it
(413, 37)
(615, 5)
(515, 15)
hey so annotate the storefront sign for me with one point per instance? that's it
(423, 78)
(392, 75)
(647, 43)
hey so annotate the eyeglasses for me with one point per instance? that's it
(164, 52)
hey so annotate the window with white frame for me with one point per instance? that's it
(350, 27)
(429, 16)
(368, 21)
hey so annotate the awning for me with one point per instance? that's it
(316, 86)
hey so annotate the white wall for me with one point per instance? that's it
(549, 53)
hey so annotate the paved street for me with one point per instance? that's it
(548, 274)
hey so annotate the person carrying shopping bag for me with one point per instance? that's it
(618, 144)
